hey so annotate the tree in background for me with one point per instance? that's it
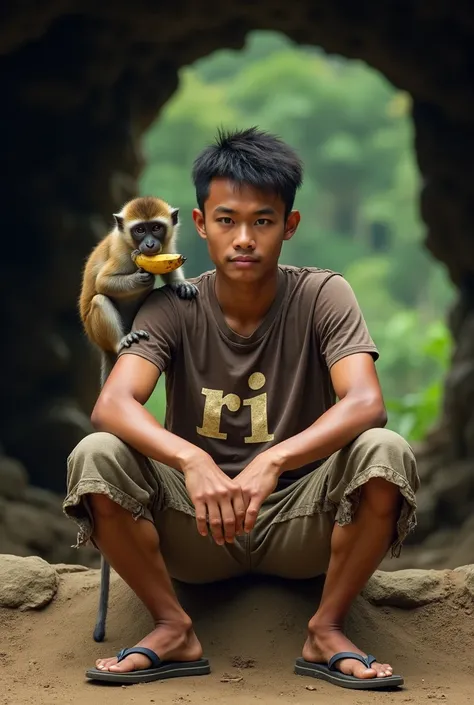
(359, 202)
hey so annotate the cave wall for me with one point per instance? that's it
(82, 81)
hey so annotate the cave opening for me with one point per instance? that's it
(359, 201)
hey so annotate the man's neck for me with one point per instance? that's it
(244, 306)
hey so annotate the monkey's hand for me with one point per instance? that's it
(185, 290)
(132, 337)
(134, 254)
(142, 279)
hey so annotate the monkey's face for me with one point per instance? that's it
(148, 236)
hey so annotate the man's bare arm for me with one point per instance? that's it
(359, 408)
(119, 410)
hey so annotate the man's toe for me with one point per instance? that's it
(382, 670)
(134, 662)
(104, 663)
(351, 667)
(127, 664)
(366, 673)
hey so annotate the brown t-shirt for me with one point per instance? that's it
(235, 396)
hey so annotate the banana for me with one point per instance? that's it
(159, 264)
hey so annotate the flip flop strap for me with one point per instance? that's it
(155, 660)
(366, 660)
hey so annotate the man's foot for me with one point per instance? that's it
(171, 641)
(325, 641)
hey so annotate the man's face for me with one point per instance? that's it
(244, 229)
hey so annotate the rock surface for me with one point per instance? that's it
(62, 568)
(32, 522)
(467, 572)
(31, 582)
(80, 85)
(406, 588)
(26, 583)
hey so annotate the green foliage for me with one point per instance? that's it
(156, 404)
(412, 413)
(359, 201)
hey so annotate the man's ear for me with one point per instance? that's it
(119, 221)
(199, 222)
(291, 225)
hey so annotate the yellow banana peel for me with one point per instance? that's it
(159, 264)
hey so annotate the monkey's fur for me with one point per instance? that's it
(113, 288)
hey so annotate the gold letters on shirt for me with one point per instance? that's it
(215, 401)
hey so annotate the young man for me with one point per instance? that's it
(257, 468)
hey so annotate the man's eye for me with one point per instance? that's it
(225, 220)
(263, 221)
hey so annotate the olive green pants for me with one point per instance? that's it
(292, 535)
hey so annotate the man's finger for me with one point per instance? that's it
(215, 522)
(239, 512)
(201, 518)
(252, 513)
(228, 520)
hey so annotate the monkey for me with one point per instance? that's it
(113, 288)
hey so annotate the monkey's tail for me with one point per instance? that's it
(107, 362)
(99, 631)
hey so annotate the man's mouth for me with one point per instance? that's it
(244, 258)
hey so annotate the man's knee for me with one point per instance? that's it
(91, 455)
(392, 441)
(96, 445)
(387, 449)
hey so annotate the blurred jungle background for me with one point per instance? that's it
(359, 202)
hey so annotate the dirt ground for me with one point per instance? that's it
(251, 633)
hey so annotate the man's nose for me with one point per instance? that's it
(244, 238)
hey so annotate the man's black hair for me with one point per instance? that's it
(249, 157)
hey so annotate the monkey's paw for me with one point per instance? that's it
(134, 254)
(132, 337)
(143, 278)
(185, 290)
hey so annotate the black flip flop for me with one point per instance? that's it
(332, 675)
(159, 670)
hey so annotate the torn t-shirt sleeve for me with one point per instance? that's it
(340, 325)
(158, 315)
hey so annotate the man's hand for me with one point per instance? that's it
(217, 499)
(257, 481)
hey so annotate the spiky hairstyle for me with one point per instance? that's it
(249, 157)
